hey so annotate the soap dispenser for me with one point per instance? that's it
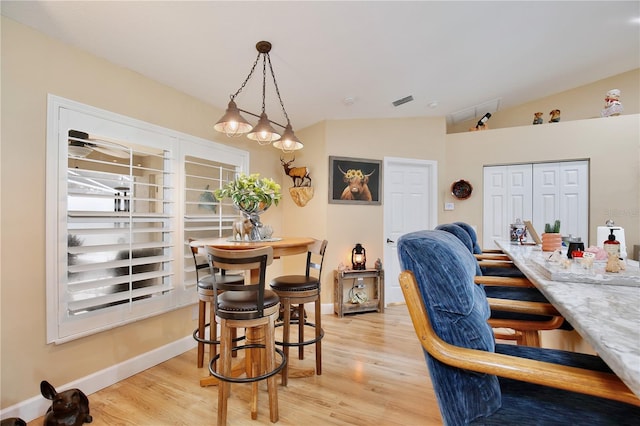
(611, 245)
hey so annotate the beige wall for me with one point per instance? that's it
(576, 104)
(421, 138)
(612, 146)
(34, 65)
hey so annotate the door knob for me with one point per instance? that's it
(390, 241)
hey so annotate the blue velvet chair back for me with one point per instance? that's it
(444, 269)
(472, 234)
(463, 236)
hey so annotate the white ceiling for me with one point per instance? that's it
(458, 54)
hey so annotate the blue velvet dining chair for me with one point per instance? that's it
(525, 324)
(477, 381)
(492, 262)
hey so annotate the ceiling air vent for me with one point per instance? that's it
(403, 101)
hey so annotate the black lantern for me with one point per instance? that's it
(358, 258)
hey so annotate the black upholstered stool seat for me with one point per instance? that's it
(243, 302)
(205, 285)
(294, 283)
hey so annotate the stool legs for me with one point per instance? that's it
(301, 343)
(272, 385)
(301, 330)
(318, 344)
(286, 326)
(258, 362)
(224, 386)
(202, 307)
(213, 333)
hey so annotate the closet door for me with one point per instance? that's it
(507, 197)
(561, 191)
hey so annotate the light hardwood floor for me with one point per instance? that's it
(373, 372)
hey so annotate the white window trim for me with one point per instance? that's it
(61, 329)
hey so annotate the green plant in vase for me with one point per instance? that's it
(552, 239)
(251, 195)
(552, 229)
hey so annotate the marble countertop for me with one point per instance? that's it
(607, 316)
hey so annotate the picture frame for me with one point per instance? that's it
(346, 172)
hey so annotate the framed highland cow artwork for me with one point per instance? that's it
(355, 181)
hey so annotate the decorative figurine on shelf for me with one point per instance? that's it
(482, 123)
(301, 191)
(299, 175)
(378, 265)
(537, 118)
(612, 105)
(555, 116)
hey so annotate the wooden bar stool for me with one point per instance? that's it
(255, 309)
(205, 296)
(297, 290)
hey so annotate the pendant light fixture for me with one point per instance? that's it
(233, 124)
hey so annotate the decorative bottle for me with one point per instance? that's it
(611, 245)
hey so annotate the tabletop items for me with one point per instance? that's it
(606, 316)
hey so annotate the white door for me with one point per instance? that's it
(410, 204)
(561, 191)
(507, 197)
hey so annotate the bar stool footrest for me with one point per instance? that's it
(304, 343)
(264, 376)
(211, 342)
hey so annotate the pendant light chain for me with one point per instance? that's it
(275, 83)
(244, 83)
(264, 78)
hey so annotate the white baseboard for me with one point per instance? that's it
(37, 406)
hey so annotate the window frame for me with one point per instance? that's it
(63, 114)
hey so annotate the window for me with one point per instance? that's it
(123, 196)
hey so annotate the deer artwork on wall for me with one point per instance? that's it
(301, 191)
(300, 175)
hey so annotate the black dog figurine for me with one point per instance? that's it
(69, 408)
(13, 421)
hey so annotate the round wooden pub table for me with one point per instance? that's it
(286, 246)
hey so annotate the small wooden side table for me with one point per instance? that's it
(368, 281)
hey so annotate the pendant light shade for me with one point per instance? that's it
(288, 142)
(232, 123)
(263, 132)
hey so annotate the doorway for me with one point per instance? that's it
(410, 204)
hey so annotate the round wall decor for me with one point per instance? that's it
(461, 189)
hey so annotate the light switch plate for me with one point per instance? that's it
(448, 206)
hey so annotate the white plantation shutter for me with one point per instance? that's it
(115, 238)
(204, 215)
(119, 228)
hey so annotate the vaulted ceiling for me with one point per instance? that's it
(341, 60)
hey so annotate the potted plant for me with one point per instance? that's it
(251, 195)
(551, 238)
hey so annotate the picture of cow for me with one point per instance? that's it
(357, 188)
(355, 181)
